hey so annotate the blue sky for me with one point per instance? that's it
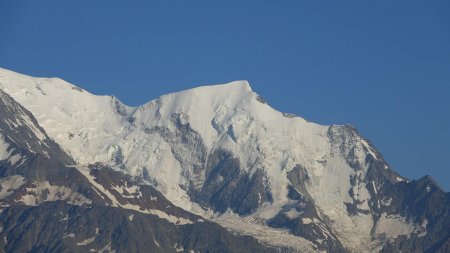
(382, 66)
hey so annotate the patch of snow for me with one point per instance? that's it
(44, 191)
(292, 213)
(424, 223)
(163, 215)
(86, 242)
(422, 230)
(178, 247)
(254, 227)
(157, 244)
(374, 187)
(393, 226)
(106, 249)
(387, 202)
(14, 159)
(133, 191)
(9, 184)
(71, 235)
(4, 146)
(369, 149)
(306, 221)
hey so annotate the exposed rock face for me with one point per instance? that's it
(227, 187)
(217, 153)
(421, 202)
(61, 227)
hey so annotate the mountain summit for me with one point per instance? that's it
(222, 153)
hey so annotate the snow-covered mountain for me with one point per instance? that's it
(223, 153)
(49, 204)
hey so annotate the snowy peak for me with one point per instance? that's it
(51, 93)
(12, 82)
(69, 114)
(206, 100)
(201, 107)
(233, 89)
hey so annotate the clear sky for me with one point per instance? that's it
(382, 66)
